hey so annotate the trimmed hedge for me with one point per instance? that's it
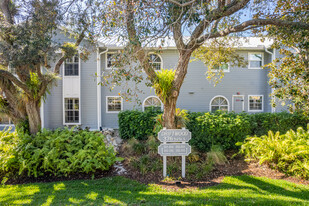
(209, 129)
(225, 129)
(136, 124)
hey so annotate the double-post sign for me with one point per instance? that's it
(174, 144)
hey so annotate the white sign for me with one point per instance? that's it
(174, 135)
(174, 149)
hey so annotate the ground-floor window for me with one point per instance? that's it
(255, 103)
(113, 104)
(152, 104)
(219, 103)
(71, 110)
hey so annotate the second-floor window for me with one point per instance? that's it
(110, 60)
(223, 66)
(5, 120)
(71, 66)
(255, 60)
(155, 61)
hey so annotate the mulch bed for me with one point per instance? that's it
(236, 166)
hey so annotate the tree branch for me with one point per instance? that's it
(12, 78)
(215, 14)
(134, 40)
(63, 58)
(5, 8)
(254, 23)
(182, 4)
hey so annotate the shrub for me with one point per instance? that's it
(218, 128)
(288, 153)
(59, 152)
(136, 124)
(261, 123)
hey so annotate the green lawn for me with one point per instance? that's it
(239, 190)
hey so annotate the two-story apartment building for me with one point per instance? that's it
(79, 99)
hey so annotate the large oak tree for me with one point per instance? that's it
(28, 47)
(190, 23)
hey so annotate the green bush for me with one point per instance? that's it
(218, 128)
(209, 129)
(60, 152)
(261, 123)
(288, 153)
(136, 124)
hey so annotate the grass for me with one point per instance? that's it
(238, 190)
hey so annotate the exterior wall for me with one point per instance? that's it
(53, 106)
(241, 81)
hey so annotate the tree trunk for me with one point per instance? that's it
(34, 118)
(169, 113)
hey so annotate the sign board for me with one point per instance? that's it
(170, 148)
(174, 135)
(176, 149)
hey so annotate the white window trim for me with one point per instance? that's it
(79, 65)
(243, 102)
(262, 110)
(159, 57)
(225, 71)
(106, 103)
(249, 60)
(109, 68)
(79, 112)
(143, 105)
(228, 103)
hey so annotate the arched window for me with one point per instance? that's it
(155, 61)
(152, 104)
(219, 103)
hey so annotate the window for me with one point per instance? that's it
(71, 66)
(4, 119)
(71, 109)
(255, 103)
(152, 104)
(110, 60)
(155, 61)
(113, 104)
(255, 60)
(219, 103)
(224, 67)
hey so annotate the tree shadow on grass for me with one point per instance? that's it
(240, 190)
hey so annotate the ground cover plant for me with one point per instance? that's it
(235, 190)
(57, 153)
(288, 152)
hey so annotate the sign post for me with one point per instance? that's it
(174, 144)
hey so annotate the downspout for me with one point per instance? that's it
(99, 88)
(273, 57)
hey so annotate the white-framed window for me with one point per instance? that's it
(113, 104)
(255, 103)
(5, 120)
(152, 103)
(255, 60)
(155, 61)
(71, 111)
(219, 103)
(225, 67)
(71, 66)
(110, 60)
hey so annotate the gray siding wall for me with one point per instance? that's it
(239, 80)
(53, 106)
